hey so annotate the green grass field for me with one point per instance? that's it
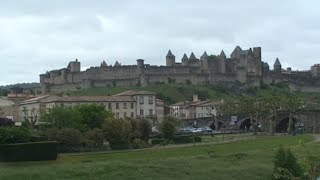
(248, 159)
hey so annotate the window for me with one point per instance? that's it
(124, 114)
(109, 106)
(132, 114)
(117, 115)
(151, 112)
(141, 100)
(117, 105)
(150, 100)
(124, 105)
(132, 105)
(141, 112)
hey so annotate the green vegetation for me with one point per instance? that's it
(34, 151)
(173, 92)
(251, 159)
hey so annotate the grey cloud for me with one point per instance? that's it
(36, 36)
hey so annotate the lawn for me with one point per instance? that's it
(248, 159)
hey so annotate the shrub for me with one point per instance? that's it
(118, 132)
(5, 122)
(10, 135)
(94, 138)
(156, 141)
(138, 144)
(145, 129)
(186, 139)
(51, 134)
(36, 151)
(69, 139)
(168, 127)
(286, 164)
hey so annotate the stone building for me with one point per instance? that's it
(131, 104)
(9, 108)
(245, 66)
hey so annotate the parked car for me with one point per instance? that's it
(207, 130)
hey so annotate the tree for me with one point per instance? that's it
(274, 104)
(30, 117)
(286, 165)
(168, 127)
(118, 133)
(64, 117)
(93, 115)
(94, 138)
(292, 104)
(254, 107)
(145, 129)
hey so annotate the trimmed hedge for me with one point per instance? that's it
(34, 151)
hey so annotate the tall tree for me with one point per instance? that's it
(30, 117)
(274, 104)
(292, 104)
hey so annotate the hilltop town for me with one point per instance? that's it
(244, 66)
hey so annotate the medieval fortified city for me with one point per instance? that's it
(222, 90)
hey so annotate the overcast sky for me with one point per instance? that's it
(39, 35)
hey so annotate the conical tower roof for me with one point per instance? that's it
(222, 54)
(192, 57)
(185, 57)
(103, 64)
(204, 55)
(169, 53)
(277, 62)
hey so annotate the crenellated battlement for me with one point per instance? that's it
(245, 66)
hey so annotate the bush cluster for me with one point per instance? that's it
(11, 135)
(286, 165)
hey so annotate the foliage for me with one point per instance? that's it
(168, 127)
(213, 57)
(11, 135)
(83, 117)
(138, 144)
(171, 80)
(93, 115)
(145, 129)
(4, 92)
(64, 117)
(118, 133)
(186, 139)
(4, 122)
(292, 104)
(93, 138)
(286, 164)
(69, 139)
(30, 117)
(311, 164)
(35, 151)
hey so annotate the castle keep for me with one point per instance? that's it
(243, 66)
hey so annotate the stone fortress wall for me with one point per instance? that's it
(244, 66)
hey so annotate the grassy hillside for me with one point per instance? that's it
(172, 93)
(243, 160)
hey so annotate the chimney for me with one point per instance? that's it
(195, 98)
